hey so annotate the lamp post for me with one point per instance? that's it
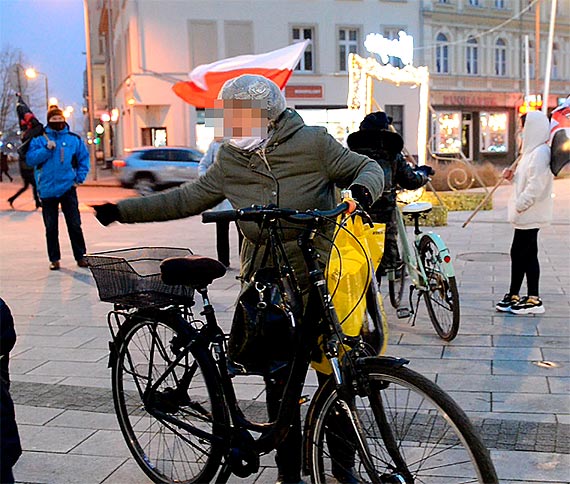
(31, 73)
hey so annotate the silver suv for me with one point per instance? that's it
(149, 169)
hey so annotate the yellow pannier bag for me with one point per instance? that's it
(357, 250)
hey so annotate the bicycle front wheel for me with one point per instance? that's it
(413, 431)
(442, 298)
(168, 402)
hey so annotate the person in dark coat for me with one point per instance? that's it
(33, 128)
(4, 167)
(10, 448)
(375, 140)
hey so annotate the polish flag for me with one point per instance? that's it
(206, 80)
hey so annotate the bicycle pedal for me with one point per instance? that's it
(403, 313)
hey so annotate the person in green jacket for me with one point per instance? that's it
(269, 156)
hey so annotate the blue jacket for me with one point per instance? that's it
(54, 171)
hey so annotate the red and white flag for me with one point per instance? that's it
(206, 80)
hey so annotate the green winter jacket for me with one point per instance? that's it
(300, 167)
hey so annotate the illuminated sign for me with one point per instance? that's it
(402, 47)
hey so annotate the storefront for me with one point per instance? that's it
(482, 126)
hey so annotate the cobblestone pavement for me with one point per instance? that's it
(509, 373)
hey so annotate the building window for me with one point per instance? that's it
(447, 129)
(531, 58)
(471, 57)
(493, 132)
(500, 58)
(154, 136)
(347, 44)
(306, 64)
(474, 3)
(391, 33)
(500, 4)
(441, 54)
(396, 112)
(103, 88)
(555, 71)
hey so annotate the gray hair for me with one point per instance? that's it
(249, 86)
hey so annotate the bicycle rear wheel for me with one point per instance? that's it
(442, 298)
(430, 438)
(148, 413)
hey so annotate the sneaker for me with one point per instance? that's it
(507, 302)
(528, 305)
(54, 266)
(82, 263)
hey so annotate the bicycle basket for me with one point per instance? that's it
(131, 277)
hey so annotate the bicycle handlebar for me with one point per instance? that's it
(256, 213)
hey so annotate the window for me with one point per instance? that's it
(103, 88)
(447, 129)
(471, 57)
(474, 3)
(306, 64)
(154, 137)
(500, 58)
(555, 70)
(396, 112)
(441, 54)
(347, 44)
(391, 33)
(493, 132)
(202, 42)
(239, 38)
(500, 4)
(531, 58)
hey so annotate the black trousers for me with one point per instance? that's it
(70, 208)
(524, 261)
(27, 183)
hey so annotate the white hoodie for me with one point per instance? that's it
(531, 204)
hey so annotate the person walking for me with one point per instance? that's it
(222, 227)
(375, 140)
(61, 162)
(269, 157)
(4, 167)
(33, 129)
(530, 208)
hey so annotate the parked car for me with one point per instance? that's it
(148, 169)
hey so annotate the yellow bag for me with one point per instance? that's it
(357, 250)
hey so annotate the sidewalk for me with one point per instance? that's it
(510, 373)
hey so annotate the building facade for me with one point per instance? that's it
(144, 46)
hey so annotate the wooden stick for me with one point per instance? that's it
(489, 194)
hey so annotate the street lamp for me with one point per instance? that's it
(31, 73)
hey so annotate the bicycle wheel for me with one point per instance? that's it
(190, 393)
(430, 438)
(397, 285)
(442, 298)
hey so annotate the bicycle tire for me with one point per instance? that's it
(397, 286)
(433, 436)
(167, 453)
(442, 298)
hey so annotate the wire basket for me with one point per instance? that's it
(131, 277)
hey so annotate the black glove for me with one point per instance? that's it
(362, 195)
(106, 213)
(425, 170)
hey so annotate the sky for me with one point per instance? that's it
(51, 37)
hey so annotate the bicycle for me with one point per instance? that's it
(374, 420)
(428, 262)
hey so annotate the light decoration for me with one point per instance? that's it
(361, 75)
(402, 47)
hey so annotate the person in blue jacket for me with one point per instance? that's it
(61, 162)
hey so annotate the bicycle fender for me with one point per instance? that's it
(444, 252)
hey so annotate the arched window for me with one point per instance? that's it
(441, 54)
(472, 57)
(500, 58)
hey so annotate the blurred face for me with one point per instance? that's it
(57, 122)
(238, 119)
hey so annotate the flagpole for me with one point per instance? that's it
(549, 57)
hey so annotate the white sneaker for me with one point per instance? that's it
(528, 305)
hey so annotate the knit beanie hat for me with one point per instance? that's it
(249, 86)
(54, 111)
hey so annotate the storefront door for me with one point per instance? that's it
(467, 136)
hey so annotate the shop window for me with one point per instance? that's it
(306, 63)
(347, 44)
(154, 136)
(447, 130)
(500, 58)
(472, 57)
(493, 132)
(441, 54)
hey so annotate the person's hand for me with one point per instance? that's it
(362, 195)
(107, 213)
(425, 170)
(508, 174)
(50, 144)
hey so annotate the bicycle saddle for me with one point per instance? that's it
(416, 207)
(196, 271)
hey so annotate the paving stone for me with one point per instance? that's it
(51, 439)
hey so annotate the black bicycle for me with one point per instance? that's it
(373, 421)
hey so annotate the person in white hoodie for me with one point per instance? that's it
(530, 208)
